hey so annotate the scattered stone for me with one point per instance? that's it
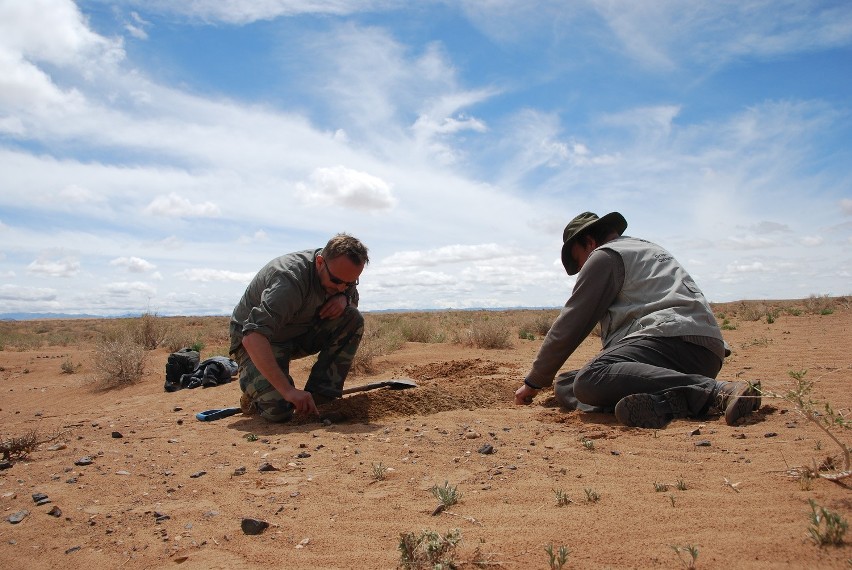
(703, 443)
(253, 526)
(122, 472)
(55, 511)
(5, 464)
(471, 435)
(303, 455)
(84, 461)
(40, 499)
(72, 549)
(614, 452)
(117, 435)
(15, 518)
(739, 436)
(269, 467)
(486, 449)
(57, 447)
(177, 409)
(770, 434)
(159, 517)
(198, 474)
(303, 543)
(71, 480)
(696, 431)
(240, 471)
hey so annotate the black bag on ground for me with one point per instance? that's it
(179, 363)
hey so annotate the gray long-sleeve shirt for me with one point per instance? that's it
(598, 285)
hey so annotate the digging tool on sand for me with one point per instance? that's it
(393, 384)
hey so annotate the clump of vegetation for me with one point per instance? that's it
(826, 420)
(448, 495)
(150, 331)
(660, 487)
(827, 527)
(487, 334)
(557, 558)
(589, 444)
(562, 498)
(379, 471)
(19, 447)
(690, 549)
(592, 496)
(119, 361)
(428, 550)
(68, 366)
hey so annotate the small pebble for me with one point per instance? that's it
(486, 449)
(198, 474)
(84, 461)
(703, 443)
(15, 518)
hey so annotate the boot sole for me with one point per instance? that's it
(640, 410)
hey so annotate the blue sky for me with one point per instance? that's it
(155, 154)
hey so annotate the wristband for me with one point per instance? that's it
(527, 382)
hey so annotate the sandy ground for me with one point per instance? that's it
(164, 489)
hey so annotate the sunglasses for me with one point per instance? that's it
(335, 279)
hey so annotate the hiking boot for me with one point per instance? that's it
(246, 405)
(650, 410)
(736, 400)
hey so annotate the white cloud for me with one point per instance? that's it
(26, 294)
(133, 264)
(258, 236)
(212, 275)
(812, 241)
(176, 206)
(128, 289)
(78, 195)
(846, 206)
(447, 254)
(344, 187)
(55, 266)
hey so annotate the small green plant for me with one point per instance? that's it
(805, 480)
(558, 558)
(379, 471)
(681, 485)
(526, 335)
(562, 498)
(727, 326)
(428, 550)
(672, 499)
(660, 487)
(448, 495)
(770, 318)
(827, 527)
(826, 311)
(588, 443)
(592, 496)
(250, 437)
(690, 549)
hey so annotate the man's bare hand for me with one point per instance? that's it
(333, 307)
(524, 395)
(302, 401)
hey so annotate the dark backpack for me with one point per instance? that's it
(184, 361)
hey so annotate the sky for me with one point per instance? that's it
(154, 155)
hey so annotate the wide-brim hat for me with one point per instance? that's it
(613, 220)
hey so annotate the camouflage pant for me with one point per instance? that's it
(335, 340)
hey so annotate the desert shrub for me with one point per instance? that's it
(381, 337)
(19, 447)
(486, 334)
(420, 329)
(178, 338)
(539, 324)
(428, 550)
(119, 361)
(827, 527)
(150, 331)
(68, 366)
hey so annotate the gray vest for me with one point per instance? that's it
(658, 298)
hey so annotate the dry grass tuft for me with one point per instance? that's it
(119, 361)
